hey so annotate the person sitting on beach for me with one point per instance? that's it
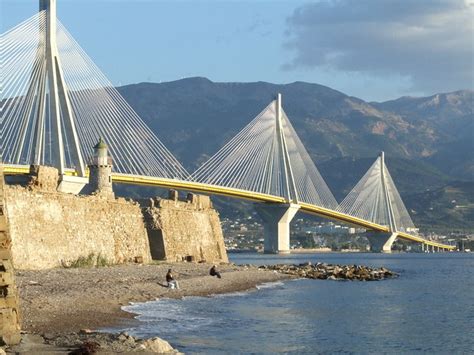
(172, 283)
(214, 272)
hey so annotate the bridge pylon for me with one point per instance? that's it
(54, 115)
(381, 242)
(267, 157)
(276, 226)
(278, 216)
(375, 198)
(56, 103)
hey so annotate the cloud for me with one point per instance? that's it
(429, 41)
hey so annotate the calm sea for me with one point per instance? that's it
(429, 308)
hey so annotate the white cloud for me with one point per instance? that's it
(430, 41)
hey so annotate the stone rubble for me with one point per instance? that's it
(323, 271)
(88, 341)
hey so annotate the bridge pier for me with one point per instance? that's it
(276, 226)
(381, 242)
(71, 184)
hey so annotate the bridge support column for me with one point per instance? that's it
(381, 242)
(276, 226)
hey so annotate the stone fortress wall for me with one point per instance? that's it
(52, 229)
(9, 300)
(189, 229)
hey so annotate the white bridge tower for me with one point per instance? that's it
(382, 242)
(277, 217)
(53, 105)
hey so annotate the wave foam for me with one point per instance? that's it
(270, 285)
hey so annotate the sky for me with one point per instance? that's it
(376, 50)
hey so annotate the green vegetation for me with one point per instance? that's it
(306, 241)
(158, 262)
(446, 209)
(92, 260)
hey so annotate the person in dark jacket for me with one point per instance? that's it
(172, 283)
(214, 272)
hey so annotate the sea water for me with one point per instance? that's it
(429, 308)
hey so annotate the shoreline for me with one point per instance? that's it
(301, 251)
(66, 309)
(58, 301)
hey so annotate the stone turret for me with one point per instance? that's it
(100, 171)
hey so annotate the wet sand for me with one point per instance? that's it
(68, 300)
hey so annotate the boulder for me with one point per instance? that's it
(155, 345)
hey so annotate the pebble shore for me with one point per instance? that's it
(60, 306)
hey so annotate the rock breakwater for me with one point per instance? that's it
(323, 271)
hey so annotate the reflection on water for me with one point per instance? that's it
(429, 308)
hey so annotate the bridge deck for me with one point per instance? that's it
(243, 194)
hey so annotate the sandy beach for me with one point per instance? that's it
(68, 300)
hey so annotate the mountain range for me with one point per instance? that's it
(428, 141)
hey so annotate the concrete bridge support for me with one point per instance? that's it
(381, 242)
(276, 227)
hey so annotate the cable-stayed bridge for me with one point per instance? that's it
(56, 103)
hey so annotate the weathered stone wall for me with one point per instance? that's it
(9, 300)
(44, 178)
(50, 229)
(185, 230)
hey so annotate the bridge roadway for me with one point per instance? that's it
(242, 194)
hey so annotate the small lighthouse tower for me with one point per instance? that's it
(100, 171)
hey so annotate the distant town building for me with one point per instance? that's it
(331, 228)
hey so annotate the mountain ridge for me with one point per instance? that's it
(428, 141)
(194, 117)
